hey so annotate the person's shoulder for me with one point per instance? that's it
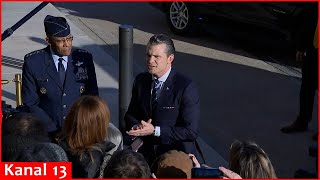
(182, 78)
(183, 82)
(82, 52)
(81, 55)
(35, 54)
(143, 76)
(107, 146)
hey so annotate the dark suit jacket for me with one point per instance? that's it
(306, 26)
(177, 114)
(42, 91)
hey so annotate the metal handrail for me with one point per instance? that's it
(18, 81)
(8, 32)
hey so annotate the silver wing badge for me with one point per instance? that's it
(79, 63)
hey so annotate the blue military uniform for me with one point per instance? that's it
(42, 90)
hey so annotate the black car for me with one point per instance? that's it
(274, 17)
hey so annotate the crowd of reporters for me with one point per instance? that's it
(95, 148)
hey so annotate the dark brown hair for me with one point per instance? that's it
(127, 164)
(162, 39)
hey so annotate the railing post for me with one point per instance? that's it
(125, 75)
(18, 89)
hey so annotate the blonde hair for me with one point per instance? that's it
(250, 161)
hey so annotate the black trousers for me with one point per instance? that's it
(309, 85)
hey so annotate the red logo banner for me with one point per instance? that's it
(35, 170)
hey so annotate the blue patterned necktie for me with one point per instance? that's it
(61, 70)
(154, 93)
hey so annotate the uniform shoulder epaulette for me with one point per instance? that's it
(34, 53)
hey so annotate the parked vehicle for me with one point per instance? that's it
(275, 17)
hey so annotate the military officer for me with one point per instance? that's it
(54, 77)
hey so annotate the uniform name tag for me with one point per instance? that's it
(82, 74)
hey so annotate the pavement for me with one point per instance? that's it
(30, 37)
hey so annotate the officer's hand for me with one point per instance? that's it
(300, 56)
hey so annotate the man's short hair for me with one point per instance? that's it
(24, 124)
(127, 164)
(43, 152)
(174, 164)
(19, 131)
(162, 39)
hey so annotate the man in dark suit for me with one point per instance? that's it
(307, 51)
(54, 77)
(165, 106)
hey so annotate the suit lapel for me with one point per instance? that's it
(166, 89)
(51, 68)
(146, 94)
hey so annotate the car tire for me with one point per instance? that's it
(179, 18)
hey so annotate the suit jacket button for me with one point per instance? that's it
(64, 117)
(64, 106)
(64, 94)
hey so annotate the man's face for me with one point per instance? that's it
(61, 45)
(157, 60)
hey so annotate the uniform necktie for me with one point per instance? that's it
(154, 93)
(61, 70)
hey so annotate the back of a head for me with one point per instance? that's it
(24, 124)
(86, 123)
(20, 131)
(250, 161)
(174, 164)
(127, 164)
(43, 152)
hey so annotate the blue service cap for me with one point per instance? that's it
(56, 26)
